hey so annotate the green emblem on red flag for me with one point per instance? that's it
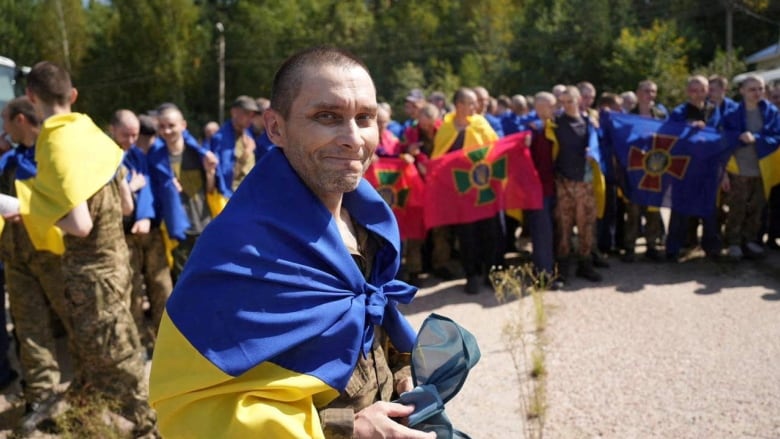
(480, 175)
(388, 187)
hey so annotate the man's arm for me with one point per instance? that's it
(77, 222)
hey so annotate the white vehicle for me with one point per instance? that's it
(9, 85)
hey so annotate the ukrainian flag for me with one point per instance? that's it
(267, 321)
(75, 159)
(766, 141)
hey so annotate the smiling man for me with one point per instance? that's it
(284, 322)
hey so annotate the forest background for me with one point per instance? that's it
(139, 53)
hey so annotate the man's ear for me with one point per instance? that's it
(74, 94)
(30, 95)
(275, 127)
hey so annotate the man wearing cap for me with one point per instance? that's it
(234, 145)
(412, 104)
(257, 128)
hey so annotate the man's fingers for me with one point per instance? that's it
(395, 410)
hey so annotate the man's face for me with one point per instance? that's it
(258, 122)
(587, 96)
(544, 108)
(11, 127)
(697, 93)
(646, 95)
(125, 134)
(716, 92)
(571, 104)
(412, 109)
(483, 98)
(467, 105)
(752, 91)
(331, 132)
(241, 118)
(171, 125)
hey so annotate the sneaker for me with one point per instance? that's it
(753, 251)
(771, 244)
(734, 252)
(585, 270)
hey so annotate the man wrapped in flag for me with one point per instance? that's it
(753, 170)
(284, 322)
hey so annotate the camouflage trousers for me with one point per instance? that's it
(110, 359)
(36, 287)
(181, 253)
(151, 278)
(575, 205)
(746, 202)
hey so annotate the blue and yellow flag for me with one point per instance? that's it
(75, 159)
(271, 312)
(766, 145)
(669, 164)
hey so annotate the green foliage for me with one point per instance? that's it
(656, 53)
(139, 53)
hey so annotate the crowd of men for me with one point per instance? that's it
(126, 242)
(569, 146)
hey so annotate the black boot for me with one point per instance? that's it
(563, 272)
(585, 270)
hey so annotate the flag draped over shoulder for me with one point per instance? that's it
(75, 159)
(402, 188)
(472, 184)
(668, 163)
(271, 312)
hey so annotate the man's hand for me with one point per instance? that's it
(141, 227)
(176, 184)
(249, 147)
(137, 181)
(15, 217)
(747, 138)
(375, 421)
(209, 159)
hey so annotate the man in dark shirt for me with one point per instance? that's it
(576, 202)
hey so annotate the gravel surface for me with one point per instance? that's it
(687, 350)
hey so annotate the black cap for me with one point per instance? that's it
(246, 103)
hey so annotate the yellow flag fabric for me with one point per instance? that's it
(266, 401)
(479, 133)
(770, 170)
(75, 159)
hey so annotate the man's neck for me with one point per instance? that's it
(28, 139)
(54, 110)
(177, 147)
(645, 108)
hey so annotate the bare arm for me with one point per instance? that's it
(77, 222)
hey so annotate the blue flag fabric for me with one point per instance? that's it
(167, 201)
(23, 158)
(135, 160)
(270, 279)
(669, 164)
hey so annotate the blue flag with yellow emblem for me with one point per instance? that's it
(669, 164)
